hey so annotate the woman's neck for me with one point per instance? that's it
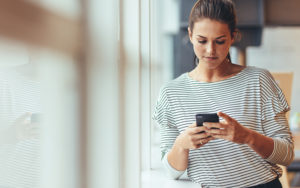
(223, 71)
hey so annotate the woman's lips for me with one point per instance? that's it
(211, 58)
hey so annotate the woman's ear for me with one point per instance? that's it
(190, 34)
(233, 37)
(236, 36)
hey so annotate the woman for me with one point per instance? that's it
(253, 136)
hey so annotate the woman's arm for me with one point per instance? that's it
(275, 148)
(277, 128)
(171, 172)
(178, 157)
(192, 138)
(261, 144)
(278, 146)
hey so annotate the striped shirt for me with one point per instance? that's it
(254, 99)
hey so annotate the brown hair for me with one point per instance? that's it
(219, 10)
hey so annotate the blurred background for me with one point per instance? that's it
(79, 80)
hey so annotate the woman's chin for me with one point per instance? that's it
(211, 64)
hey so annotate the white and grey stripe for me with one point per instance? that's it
(253, 98)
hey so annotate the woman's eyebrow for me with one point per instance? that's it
(216, 38)
(221, 36)
(201, 36)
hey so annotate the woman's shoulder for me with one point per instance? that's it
(265, 79)
(176, 82)
(172, 86)
(257, 70)
(259, 73)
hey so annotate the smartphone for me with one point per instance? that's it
(201, 118)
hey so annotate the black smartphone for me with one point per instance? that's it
(201, 118)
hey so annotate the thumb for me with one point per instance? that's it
(226, 117)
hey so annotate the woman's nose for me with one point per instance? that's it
(211, 48)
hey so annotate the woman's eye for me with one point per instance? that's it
(202, 41)
(220, 42)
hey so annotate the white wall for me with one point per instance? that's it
(279, 52)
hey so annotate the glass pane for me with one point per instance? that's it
(38, 118)
(20, 117)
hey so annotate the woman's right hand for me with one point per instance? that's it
(193, 137)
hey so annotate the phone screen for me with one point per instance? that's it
(201, 118)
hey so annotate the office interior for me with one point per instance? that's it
(80, 79)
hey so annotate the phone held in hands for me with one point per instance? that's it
(209, 117)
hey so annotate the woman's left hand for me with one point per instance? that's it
(229, 129)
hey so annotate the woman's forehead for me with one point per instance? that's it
(210, 28)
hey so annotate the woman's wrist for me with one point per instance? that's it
(178, 146)
(250, 137)
(178, 156)
(261, 144)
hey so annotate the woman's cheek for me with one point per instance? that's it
(199, 50)
(223, 50)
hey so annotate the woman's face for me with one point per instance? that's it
(211, 41)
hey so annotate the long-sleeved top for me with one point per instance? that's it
(254, 99)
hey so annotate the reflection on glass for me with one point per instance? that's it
(20, 119)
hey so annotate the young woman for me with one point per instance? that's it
(253, 135)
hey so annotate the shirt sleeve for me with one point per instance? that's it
(274, 122)
(165, 121)
(168, 136)
(162, 113)
(172, 173)
(168, 132)
(278, 130)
